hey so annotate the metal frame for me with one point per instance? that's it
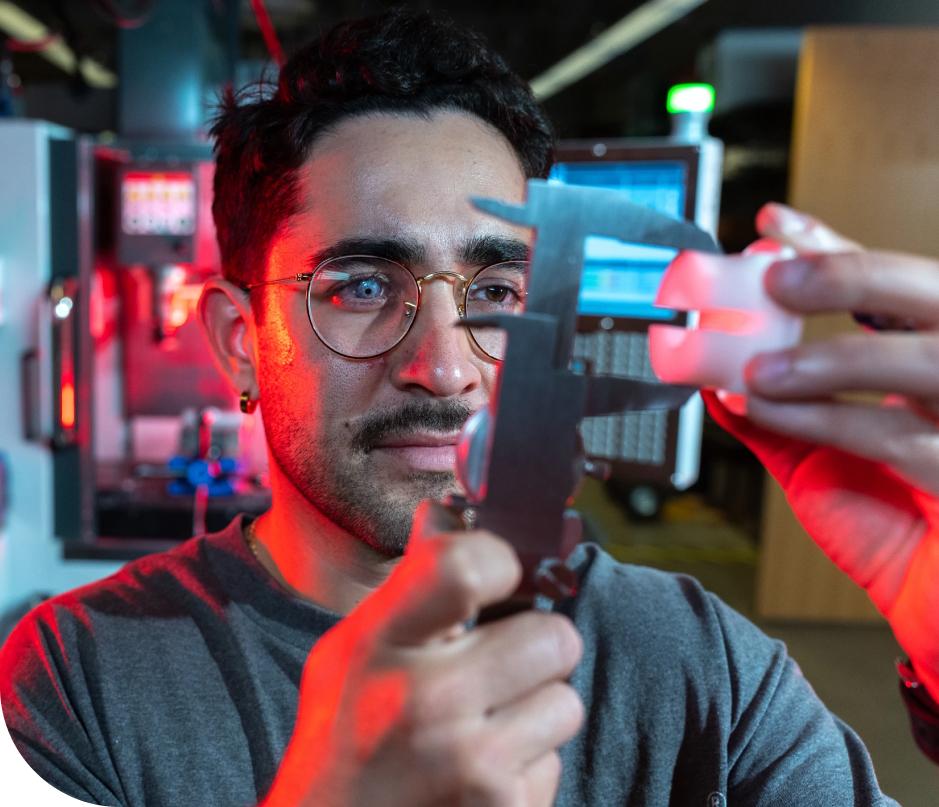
(702, 160)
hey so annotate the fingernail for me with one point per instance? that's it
(789, 275)
(770, 368)
(781, 219)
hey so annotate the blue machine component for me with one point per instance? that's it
(216, 476)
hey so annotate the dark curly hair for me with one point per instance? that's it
(400, 61)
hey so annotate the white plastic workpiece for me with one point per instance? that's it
(731, 318)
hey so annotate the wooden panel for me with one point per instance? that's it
(865, 159)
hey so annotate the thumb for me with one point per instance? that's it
(431, 518)
(802, 232)
(780, 455)
(446, 576)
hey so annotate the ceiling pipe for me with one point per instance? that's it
(26, 29)
(635, 28)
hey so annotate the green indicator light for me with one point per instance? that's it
(690, 98)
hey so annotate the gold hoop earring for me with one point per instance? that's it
(247, 403)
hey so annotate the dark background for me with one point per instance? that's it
(624, 98)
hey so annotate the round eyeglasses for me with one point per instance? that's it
(361, 306)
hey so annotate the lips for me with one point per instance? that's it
(421, 451)
(420, 440)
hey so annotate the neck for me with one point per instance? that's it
(312, 557)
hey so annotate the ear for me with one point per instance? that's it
(225, 313)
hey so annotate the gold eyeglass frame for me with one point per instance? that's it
(413, 308)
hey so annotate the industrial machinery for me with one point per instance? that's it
(119, 436)
(653, 452)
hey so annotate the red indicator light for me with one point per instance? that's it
(158, 176)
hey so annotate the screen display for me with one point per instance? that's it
(620, 279)
(158, 203)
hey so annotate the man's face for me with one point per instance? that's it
(364, 440)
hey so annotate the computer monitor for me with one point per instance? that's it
(618, 289)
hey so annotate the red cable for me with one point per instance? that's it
(268, 32)
(22, 46)
(113, 13)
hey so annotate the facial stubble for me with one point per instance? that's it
(348, 483)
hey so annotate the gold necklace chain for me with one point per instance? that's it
(251, 539)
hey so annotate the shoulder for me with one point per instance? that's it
(93, 663)
(139, 587)
(155, 589)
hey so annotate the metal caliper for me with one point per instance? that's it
(520, 459)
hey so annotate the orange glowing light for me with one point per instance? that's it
(179, 312)
(67, 405)
(181, 304)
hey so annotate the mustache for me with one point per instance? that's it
(443, 416)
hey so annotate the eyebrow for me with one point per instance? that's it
(484, 250)
(406, 251)
(480, 250)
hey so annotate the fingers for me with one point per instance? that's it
(895, 435)
(510, 756)
(802, 232)
(541, 780)
(499, 662)
(430, 519)
(443, 580)
(537, 724)
(834, 273)
(873, 282)
(891, 363)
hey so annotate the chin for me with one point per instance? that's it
(390, 528)
(431, 485)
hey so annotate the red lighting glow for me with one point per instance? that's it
(103, 303)
(158, 176)
(730, 321)
(96, 318)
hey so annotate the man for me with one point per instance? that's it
(299, 659)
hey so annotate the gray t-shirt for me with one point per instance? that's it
(175, 682)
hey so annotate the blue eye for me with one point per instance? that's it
(366, 292)
(367, 288)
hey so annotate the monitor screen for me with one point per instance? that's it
(158, 203)
(621, 280)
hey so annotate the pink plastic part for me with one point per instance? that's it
(731, 318)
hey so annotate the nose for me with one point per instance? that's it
(436, 357)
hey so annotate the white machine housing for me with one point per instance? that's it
(32, 560)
